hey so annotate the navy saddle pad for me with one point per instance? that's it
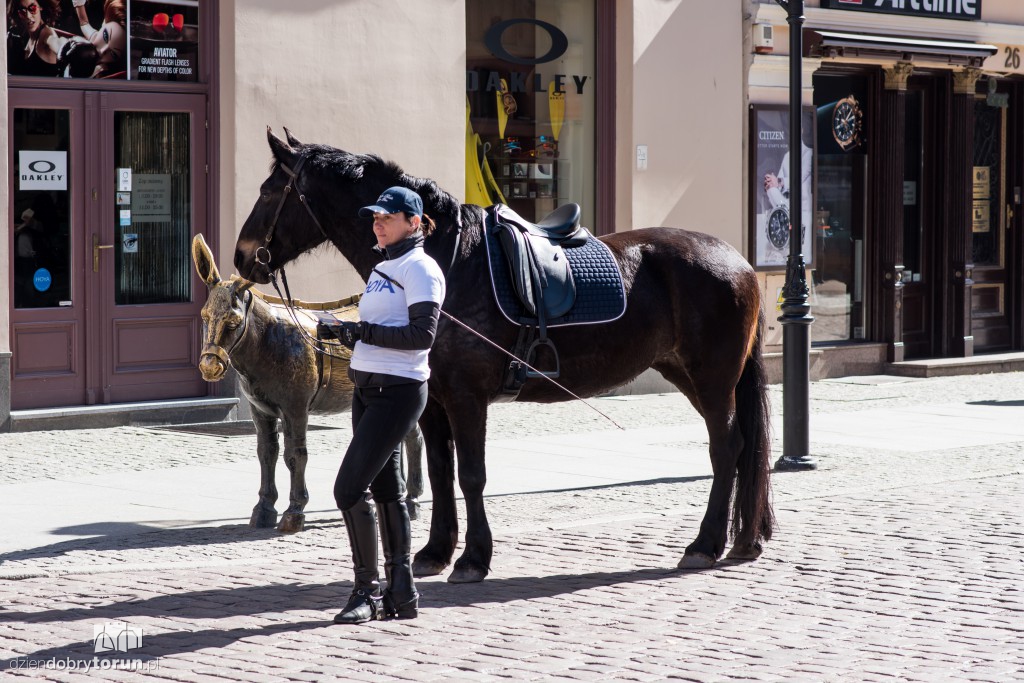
(600, 296)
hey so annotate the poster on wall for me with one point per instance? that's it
(111, 39)
(165, 40)
(67, 38)
(771, 183)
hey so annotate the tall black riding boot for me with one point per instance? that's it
(365, 602)
(400, 597)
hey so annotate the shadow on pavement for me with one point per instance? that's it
(1001, 404)
(112, 536)
(284, 598)
(133, 535)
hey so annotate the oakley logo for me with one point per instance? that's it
(493, 41)
(42, 166)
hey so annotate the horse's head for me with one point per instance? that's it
(313, 194)
(309, 191)
(223, 314)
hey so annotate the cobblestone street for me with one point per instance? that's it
(900, 558)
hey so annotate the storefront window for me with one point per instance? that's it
(155, 215)
(42, 201)
(987, 191)
(144, 40)
(530, 105)
(837, 282)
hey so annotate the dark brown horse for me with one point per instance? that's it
(694, 315)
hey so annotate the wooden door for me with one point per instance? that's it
(919, 223)
(49, 293)
(107, 191)
(151, 199)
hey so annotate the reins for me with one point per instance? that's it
(510, 354)
(317, 344)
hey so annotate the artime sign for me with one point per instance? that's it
(966, 10)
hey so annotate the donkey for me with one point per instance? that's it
(283, 379)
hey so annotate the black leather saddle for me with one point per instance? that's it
(540, 272)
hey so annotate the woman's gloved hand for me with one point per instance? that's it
(345, 331)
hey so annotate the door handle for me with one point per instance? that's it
(96, 246)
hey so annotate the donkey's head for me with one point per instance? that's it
(224, 314)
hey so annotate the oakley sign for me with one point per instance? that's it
(42, 170)
(530, 80)
(493, 41)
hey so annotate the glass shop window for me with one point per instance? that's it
(837, 284)
(42, 208)
(530, 105)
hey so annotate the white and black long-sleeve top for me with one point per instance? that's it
(399, 312)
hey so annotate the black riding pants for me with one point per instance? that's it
(381, 417)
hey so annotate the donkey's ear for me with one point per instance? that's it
(282, 151)
(292, 140)
(203, 258)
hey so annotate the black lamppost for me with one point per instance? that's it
(796, 316)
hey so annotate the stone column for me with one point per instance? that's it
(958, 267)
(889, 205)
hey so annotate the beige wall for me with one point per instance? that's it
(376, 79)
(688, 108)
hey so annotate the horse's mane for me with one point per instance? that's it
(439, 204)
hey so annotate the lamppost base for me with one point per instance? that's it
(795, 463)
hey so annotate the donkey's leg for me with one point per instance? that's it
(295, 456)
(413, 453)
(470, 428)
(444, 522)
(717, 405)
(264, 515)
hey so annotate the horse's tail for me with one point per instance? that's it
(753, 518)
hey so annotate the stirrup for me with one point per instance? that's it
(531, 357)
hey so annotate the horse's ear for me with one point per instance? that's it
(203, 258)
(240, 287)
(282, 151)
(292, 140)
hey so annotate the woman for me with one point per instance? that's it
(398, 319)
(34, 20)
(110, 40)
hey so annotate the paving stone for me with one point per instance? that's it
(886, 565)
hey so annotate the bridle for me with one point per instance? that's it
(224, 355)
(293, 183)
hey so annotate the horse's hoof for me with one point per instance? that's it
(414, 508)
(744, 553)
(425, 567)
(263, 518)
(292, 523)
(467, 571)
(467, 575)
(692, 561)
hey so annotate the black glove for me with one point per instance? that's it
(345, 331)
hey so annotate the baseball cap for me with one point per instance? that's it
(393, 200)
